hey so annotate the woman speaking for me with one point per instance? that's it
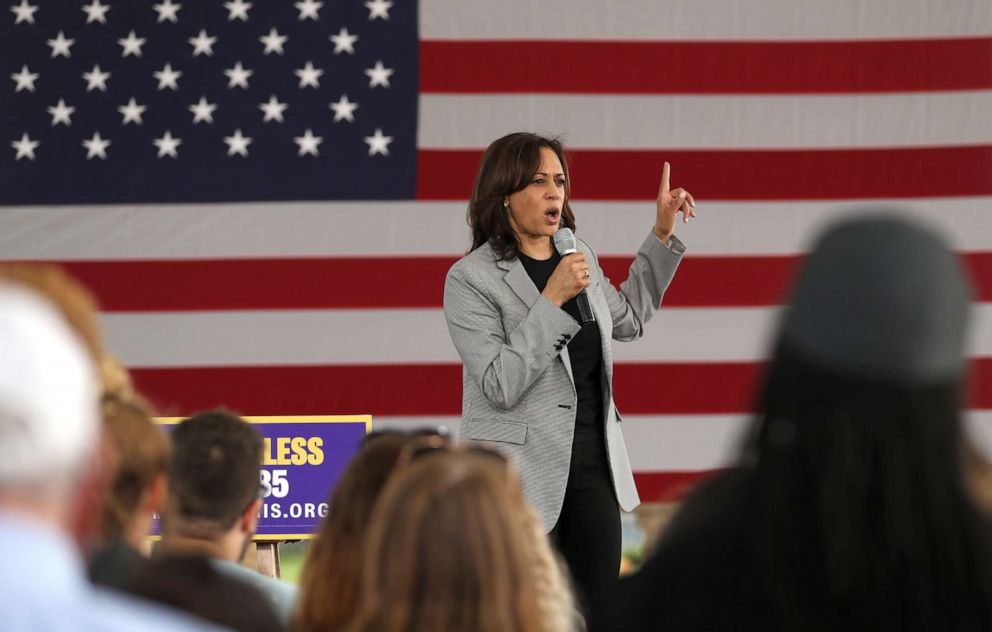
(537, 382)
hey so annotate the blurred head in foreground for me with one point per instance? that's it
(329, 582)
(136, 490)
(49, 425)
(453, 546)
(213, 499)
(76, 307)
(142, 455)
(856, 456)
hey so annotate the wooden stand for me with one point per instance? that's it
(267, 557)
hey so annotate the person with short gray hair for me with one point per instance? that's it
(49, 475)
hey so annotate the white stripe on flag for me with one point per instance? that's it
(394, 229)
(360, 336)
(703, 20)
(722, 122)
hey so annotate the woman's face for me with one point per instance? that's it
(535, 210)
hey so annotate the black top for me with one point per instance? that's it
(584, 350)
(115, 565)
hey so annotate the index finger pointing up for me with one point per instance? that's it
(665, 173)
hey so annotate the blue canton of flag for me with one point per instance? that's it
(196, 101)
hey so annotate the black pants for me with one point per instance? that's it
(587, 533)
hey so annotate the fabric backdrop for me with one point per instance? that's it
(266, 205)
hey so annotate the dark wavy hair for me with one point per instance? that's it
(862, 511)
(507, 166)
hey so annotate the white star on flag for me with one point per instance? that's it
(308, 143)
(60, 46)
(96, 147)
(379, 75)
(344, 42)
(96, 12)
(132, 112)
(344, 110)
(237, 10)
(167, 11)
(309, 76)
(25, 79)
(24, 12)
(308, 9)
(203, 111)
(238, 76)
(237, 144)
(168, 78)
(131, 44)
(96, 79)
(25, 147)
(378, 143)
(202, 44)
(167, 145)
(273, 42)
(378, 9)
(61, 113)
(273, 109)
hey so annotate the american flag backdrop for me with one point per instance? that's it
(266, 195)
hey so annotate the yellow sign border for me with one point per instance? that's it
(287, 419)
(281, 419)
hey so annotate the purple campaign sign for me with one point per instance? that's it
(303, 458)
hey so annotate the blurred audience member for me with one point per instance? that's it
(213, 500)
(329, 583)
(849, 508)
(71, 299)
(191, 583)
(136, 492)
(49, 430)
(330, 576)
(452, 546)
(77, 307)
(116, 381)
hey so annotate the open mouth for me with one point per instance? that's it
(552, 215)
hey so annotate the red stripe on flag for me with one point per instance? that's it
(644, 389)
(663, 487)
(712, 281)
(374, 283)
(594, 67)
(793, 174)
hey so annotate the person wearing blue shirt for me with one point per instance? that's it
(49, 479)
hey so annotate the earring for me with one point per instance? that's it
(506, 203)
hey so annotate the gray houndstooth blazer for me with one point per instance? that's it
(517, 383)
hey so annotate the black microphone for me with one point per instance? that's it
(564, 241)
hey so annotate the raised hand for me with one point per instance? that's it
(670, 203)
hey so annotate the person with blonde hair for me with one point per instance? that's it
(137, 489)
(71, 299)
(329, 582)
(453, 547)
